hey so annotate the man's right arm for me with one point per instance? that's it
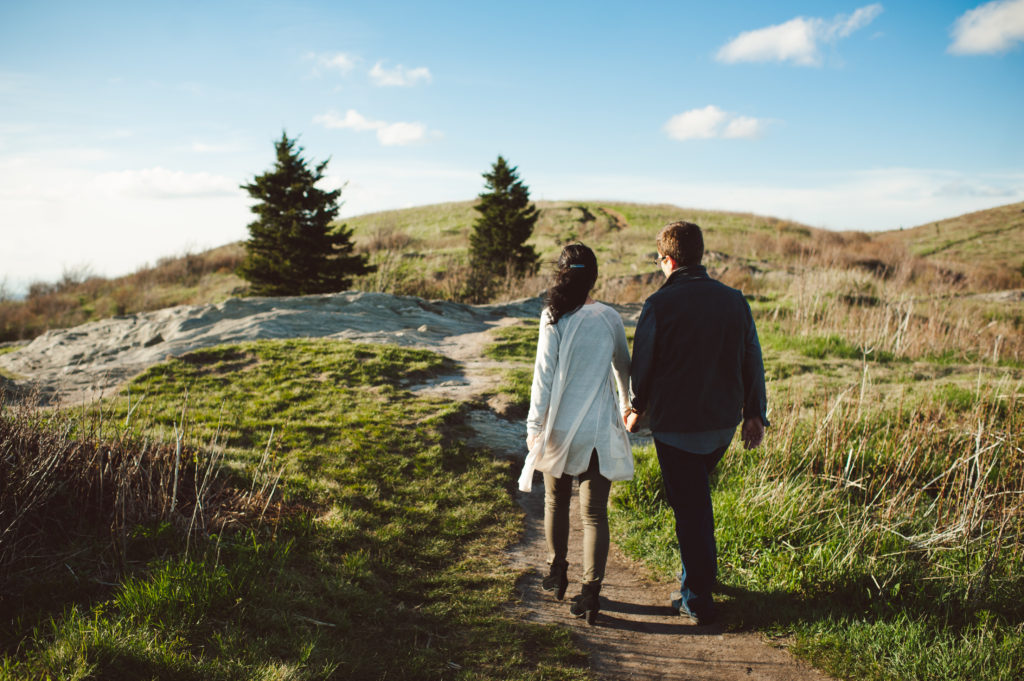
(640, 371)
(755, 398)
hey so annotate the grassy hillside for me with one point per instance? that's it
(423, 251)
(990, 238)
(622, 234)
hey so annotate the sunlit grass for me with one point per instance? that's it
(885, 537)
(388, 562)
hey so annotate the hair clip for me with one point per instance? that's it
(576, 267)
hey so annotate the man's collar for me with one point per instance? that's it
(687, 273)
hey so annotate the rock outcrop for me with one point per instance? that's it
(85, 362)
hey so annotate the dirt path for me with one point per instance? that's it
(637, 635)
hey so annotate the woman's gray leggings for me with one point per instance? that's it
(594, 489)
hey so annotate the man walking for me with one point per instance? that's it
(697, 374)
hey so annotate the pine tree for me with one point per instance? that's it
(292, 249)
(497, 246)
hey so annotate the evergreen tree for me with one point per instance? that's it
(292, 249)
(497, 246)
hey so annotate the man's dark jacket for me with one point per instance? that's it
(696, 358)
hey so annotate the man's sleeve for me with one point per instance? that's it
(643, 360)
(755, 398)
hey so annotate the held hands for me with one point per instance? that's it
(632, 420)
(753, 432)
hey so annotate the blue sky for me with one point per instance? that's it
(126, 128)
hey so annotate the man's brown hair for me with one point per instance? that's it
(683, 242)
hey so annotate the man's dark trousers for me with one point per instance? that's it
(686, 478)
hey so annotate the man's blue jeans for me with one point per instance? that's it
(689, 494)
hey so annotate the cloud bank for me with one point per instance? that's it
(797, 40)
(160, 183)
(989, 29)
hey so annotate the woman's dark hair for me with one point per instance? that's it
(574, 276)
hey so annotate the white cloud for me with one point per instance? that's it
(57, 214)
(160, 183)
(388, 134)
(696, 123)
(711, 122)
(743, 127)
(796, 40)
(844, 26)
(337, 61)
(352, 120)
(989, 29)
(399, 75)
(793, 41)
(400, 134)
(204, 148)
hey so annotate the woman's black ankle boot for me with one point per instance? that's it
(588, 603)
(557, 579)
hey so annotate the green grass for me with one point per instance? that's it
(518, 342)
(516, 346)
(387, 562)
(832, 346)
(844, 533)
(984, 237)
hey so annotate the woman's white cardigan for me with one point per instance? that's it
(580, 362)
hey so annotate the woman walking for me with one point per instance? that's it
(575, 427)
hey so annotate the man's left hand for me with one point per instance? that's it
(753, 432)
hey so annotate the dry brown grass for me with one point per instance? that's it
(62, 480)
(81, 296)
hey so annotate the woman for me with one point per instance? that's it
(574, 427)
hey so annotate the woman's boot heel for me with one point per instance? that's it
(557, 579)
(588, 603)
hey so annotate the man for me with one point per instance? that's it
(697, 374)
